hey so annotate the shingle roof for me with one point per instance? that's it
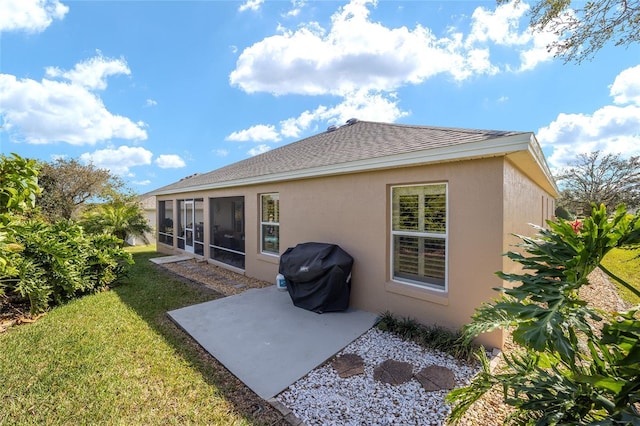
(362, 140)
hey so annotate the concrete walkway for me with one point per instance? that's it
(267, 342)
(170, 259)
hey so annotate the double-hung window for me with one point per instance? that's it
(419, 234)
(270, 223)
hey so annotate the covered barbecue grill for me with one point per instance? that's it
(318, 276)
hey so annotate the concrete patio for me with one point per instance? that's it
(267, 342)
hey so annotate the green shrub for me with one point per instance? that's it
(433, 337)
(18, 184)
(18, 190)
(574, 364)
(107, 261)
(59, 262)
(30, 283)
(562, 213)
(48, 263)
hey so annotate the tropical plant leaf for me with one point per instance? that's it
(575, 364)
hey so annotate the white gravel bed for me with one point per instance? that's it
(324, 398)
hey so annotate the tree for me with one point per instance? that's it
(584, 30)
(600, 179)
(122, 217)
(574, 364)
(46, 262)
(67, 185)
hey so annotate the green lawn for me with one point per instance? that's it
(622, 263)
(115, 358)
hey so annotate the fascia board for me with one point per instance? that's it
(536, 152)
(485, 148)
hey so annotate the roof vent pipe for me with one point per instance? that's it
(352, 121)
(332, 128)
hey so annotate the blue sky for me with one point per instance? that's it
(159, 90)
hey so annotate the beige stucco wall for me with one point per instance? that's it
(525, 204)
(487, 199)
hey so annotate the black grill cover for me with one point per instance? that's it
(318, 276)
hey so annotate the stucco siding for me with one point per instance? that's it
(353, 211)
(338, 187)
(525, 204)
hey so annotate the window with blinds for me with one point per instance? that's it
(419, 234)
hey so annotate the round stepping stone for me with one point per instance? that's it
(348, 365)
(393, 372)
(435, 378)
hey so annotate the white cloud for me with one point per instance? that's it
(50, 111)
(260, 149)
(30, 15)
(93, 72)
(253, 5)
(477, 61)
(151, 102)
(356, 53)
(118, 160)
(47, 111)
(365, 105)
(363, 63)
(626, 87)
(500, 26)
(221, 152)
(292, 127)
(538, 52)
(362, 104)
(610, 129)
(141, 182)
(257, 133)
(296, 7)
(170, 161)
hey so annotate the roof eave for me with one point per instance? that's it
(521, 142)
(533, 163)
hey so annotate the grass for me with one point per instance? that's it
(115, 358)
(622, 263)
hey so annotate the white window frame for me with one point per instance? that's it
(269, 223)
(444, 236)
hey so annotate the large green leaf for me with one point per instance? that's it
(564, 373)
(608, 383)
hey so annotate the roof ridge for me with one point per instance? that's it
(423, 126)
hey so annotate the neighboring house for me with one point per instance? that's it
(426, 212)
(148, 204)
